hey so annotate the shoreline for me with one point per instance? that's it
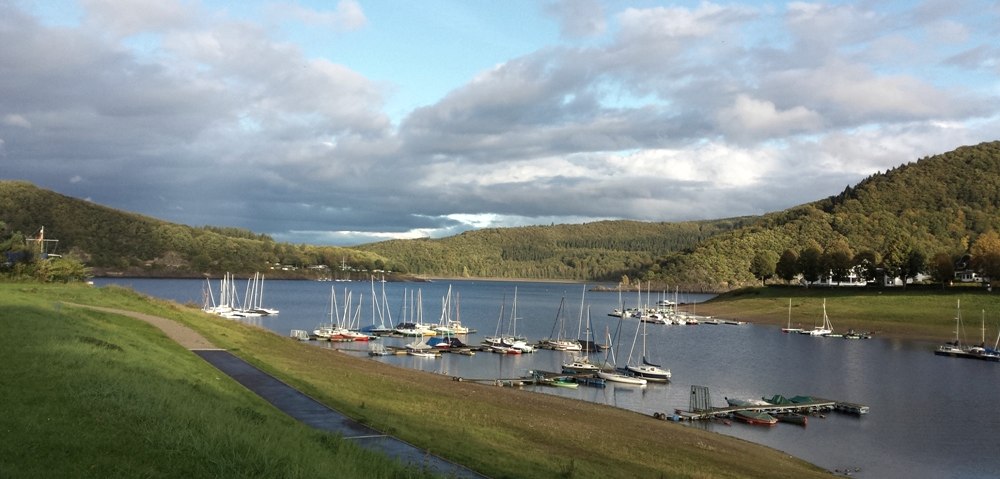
(744, 305)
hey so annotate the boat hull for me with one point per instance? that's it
(620, 378)
(755, 418)
(649, 373)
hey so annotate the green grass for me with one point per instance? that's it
(84, 407)
(926, 314)
(88, 394)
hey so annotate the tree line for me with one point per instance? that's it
(839, 264)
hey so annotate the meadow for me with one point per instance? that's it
(921, 313)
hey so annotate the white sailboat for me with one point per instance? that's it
(557, 340)
(495, 343)
(608, 371)
(825, 329)
(789, 328)
(582, 364)
(645, 369)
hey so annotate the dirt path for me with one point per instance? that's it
(184, 335)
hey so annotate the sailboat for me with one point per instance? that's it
(331, 332)
(646, 369)
(582, 364)
(981, 352)
(448, 324)
(608, 372)
(955, 348)
(352, 324)
(253, 302)
(381, 309)
(413, 326)
(825, 330)
(558, 343)
(790, 329)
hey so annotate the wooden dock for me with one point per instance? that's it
(816, 405)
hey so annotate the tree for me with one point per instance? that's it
(942, 268)
(838, 260)
(810, 264)
(763, 264)
(894, 258)
(866, 265)
(986, 255)
(915, 264)
(788, 265)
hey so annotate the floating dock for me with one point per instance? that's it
(700, 407)
(815, 405)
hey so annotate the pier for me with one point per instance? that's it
(701, 409)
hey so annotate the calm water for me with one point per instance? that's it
(931, 416)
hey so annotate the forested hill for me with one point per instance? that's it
(115, 241)
(937, 207)
(604, 250)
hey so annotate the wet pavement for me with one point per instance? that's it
(313, 413)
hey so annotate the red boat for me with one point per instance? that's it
(755, 417)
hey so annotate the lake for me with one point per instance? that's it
(930, 416)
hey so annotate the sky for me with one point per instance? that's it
(352, 121)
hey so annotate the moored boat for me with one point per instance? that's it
(649, 371)
(617, 377)
(736, 402)
(580, 365)
(755, 417)
(792, 418)
(789, 328)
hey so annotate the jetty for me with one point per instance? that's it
(700, 407)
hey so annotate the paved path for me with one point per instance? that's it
(295, 403)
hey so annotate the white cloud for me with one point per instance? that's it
(750, 118)
(659, 23)
(16, 120)
(578, 18)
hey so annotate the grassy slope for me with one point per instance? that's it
(919, 314)
(87, 394)
(502, 432)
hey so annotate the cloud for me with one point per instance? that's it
(346, 16)
(129, 17)
(13, 119)
(578, 18)
(207, 116)
(752, 118)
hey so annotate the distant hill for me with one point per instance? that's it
(604, 250)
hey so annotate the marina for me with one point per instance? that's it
(913, 429)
